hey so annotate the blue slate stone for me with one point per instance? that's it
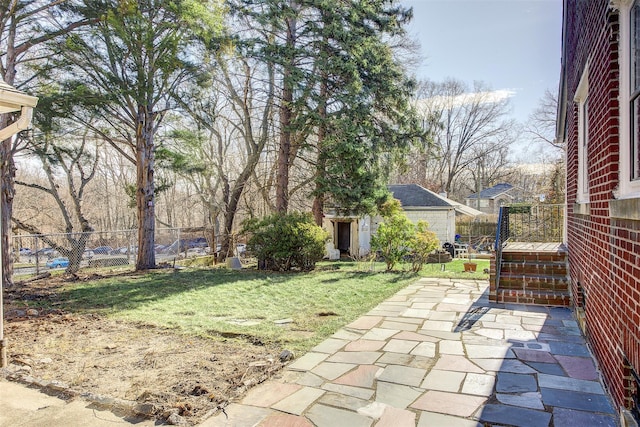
(548, 368)
(560, 313)
(547, 337)
(569, 349)
(515, 383)
(570, 418)
(551, 323)
(514, 416)
(570, 331)
(576, 400)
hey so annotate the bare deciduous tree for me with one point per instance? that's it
(542, 121)
(74, 164)
(25, 25)
(466, 125)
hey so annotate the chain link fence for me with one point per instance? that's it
(36, 254)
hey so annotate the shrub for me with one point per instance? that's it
(286, 242)
(393, 235)
(423, 242)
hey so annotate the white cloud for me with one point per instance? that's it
(488, 97)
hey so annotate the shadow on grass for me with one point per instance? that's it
(128, 292)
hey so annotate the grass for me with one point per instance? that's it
(246, 304)
(240, 303)
(455, 270)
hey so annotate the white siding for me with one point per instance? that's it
(441, 222)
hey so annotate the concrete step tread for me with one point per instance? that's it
(551, 263)
(539, 277)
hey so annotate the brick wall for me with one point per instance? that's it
(603, 251)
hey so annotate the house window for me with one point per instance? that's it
(630, 100)
(582, 99)
(634, 89)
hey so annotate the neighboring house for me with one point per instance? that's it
(599, 121)
(352, 235)
(490, 199)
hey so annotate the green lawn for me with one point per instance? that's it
(223, 303)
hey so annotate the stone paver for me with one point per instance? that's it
(365, 322)
(394, 417)
(448, 403)
(355, 357)
(431, 419)
(575, 400)
(513, 415)
(331, 371)
(330, 345)
(266, 395)
(570, 418)
(451, 347)
(308, 361)
(362, 376)
(411, 336)
(426, 349)
(299, 401)
(478, 384)
(457, 363)
(443, 380)
(438, 354)
(402, 375)
(339, 400)
(326, 416)
(400, 346)
(400, 326)
(578, 367)
(360, 393)
(285, 420)
(364, 345)
(396, 395)
(516, 383)
(564, 383)
(532, 400)
(379, 334)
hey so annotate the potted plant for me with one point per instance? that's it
(470, 266)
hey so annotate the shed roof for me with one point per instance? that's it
(417, 196)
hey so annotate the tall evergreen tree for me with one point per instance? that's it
(129, 69)
(363, 110)
(339, 82)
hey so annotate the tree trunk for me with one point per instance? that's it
(8, 174)
(145, 190)
(318, 201)
(286, 112)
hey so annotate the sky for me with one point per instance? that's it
(512, 45)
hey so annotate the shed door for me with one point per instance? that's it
(344, 236)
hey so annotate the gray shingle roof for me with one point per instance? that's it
(492, 192)
(415, 195)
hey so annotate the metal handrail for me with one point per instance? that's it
(502, 235)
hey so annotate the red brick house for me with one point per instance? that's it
(599, 120)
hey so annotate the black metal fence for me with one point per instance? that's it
(34, 254)
(536, 223)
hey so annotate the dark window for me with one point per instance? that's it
(635, 91)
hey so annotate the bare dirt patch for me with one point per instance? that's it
(160, 372)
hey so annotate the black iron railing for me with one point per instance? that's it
(502, 235)
(536, 223)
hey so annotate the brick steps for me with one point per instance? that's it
(530, 277)
(532, 282)
(542, 268)
(533, 297)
